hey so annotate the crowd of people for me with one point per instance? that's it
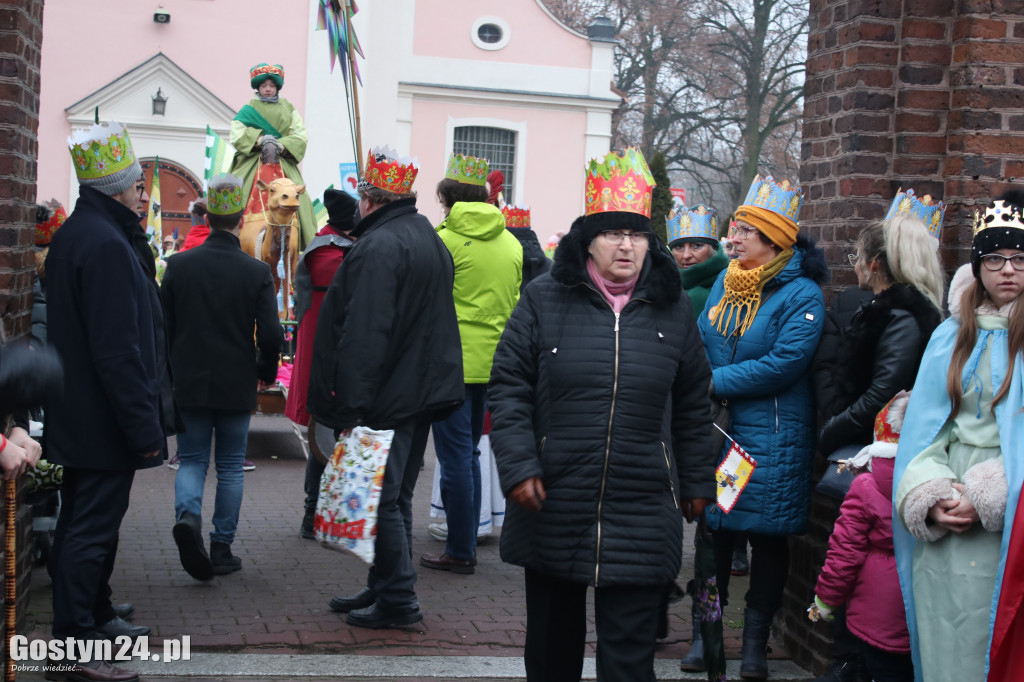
(605, 374)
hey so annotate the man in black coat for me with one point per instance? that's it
(535, 262)
(387, 355)
(103, 321)
(213, 295)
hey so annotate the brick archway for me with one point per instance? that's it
(178, 188)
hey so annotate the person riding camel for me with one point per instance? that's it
(270, 140)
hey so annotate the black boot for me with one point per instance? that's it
(754, 658)
(223, 560)
(849, 668)
(693, 661)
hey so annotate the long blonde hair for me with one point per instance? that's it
(974, 295)
(907, 253)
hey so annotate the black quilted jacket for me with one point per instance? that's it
(612, 414)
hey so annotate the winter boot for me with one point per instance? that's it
(754, 658)
(849, 668)
(693, 661)
(223, 560)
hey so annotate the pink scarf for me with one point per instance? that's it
(616, 294)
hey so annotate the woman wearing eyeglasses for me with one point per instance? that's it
(860, 368)
(959, 472)
(601, 432)
(762, 323)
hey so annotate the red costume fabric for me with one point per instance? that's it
(196, 236)
(1007, 651)
(322, 264)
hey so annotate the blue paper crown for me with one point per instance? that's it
(929, 211)
(690, 223)
(782, 198)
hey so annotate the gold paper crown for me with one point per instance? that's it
(927, 209)
(619, 182)
(779, 197)
(516, 216)
(224, 196)
(101, 151)
(689, 223)
(468, 170)
(386, 171)
(1000, 215)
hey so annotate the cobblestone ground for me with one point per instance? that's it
(278, 602)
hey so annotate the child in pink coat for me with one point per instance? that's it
(860, 568)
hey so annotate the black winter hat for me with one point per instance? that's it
(1008, 213)
(341, 207)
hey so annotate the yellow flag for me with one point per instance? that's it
(154, 225)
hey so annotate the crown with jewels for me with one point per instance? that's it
(619, 182)
(101, 151)
(45, 230)
(469, 170)
(1000, 215)
(927, 209)
(780, 197)
(224, 195)
(689, 223)
(516, 216)
(386, 171)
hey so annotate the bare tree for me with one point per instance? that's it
(715, 85)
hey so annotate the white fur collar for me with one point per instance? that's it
(961, 280)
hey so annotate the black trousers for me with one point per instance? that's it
(311, 485)
(93, 504)
(769, 567)
(556, 630)
(885, 666)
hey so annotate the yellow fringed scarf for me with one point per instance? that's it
(742, 295)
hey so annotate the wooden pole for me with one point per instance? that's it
(355, 87)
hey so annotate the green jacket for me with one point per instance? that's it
(246, 162)
(488, 270)
(698, 280)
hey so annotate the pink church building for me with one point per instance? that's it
(503, 80)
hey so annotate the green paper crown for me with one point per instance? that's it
(224, 196)
(101, 151)
(468, 170)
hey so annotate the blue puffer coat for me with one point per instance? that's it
(768, 387)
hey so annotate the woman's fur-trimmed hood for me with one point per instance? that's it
(658, 282)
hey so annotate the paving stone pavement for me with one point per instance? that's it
(277, 603)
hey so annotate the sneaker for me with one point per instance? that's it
(438, 531)
(248, 465)
(173, 462)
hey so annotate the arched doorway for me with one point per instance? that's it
(178, 188)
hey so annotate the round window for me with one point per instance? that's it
(489, 33)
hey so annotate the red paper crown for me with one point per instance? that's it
(44, 231)
(884, 432)
(516, 216)
(385, 171)
(620, 182)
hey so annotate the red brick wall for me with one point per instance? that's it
(922, 94)
(21, 35)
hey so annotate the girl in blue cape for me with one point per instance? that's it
(960, 464)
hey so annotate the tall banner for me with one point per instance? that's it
(154, 225)
(218, 155)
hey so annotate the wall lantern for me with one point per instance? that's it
(159, 103)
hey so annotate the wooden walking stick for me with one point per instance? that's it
(11, 572)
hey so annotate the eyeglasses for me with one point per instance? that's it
(853, 258)
(996, 262)
(636, 238)
(743, 232)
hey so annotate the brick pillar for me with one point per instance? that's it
(922, 94)
(21, 35)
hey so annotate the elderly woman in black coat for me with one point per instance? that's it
(599, 401)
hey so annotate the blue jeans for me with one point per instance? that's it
(455, 441)
(231, 430)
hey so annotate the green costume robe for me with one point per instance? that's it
(280, 120)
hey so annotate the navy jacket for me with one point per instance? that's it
(103, 323)
(213, 296)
